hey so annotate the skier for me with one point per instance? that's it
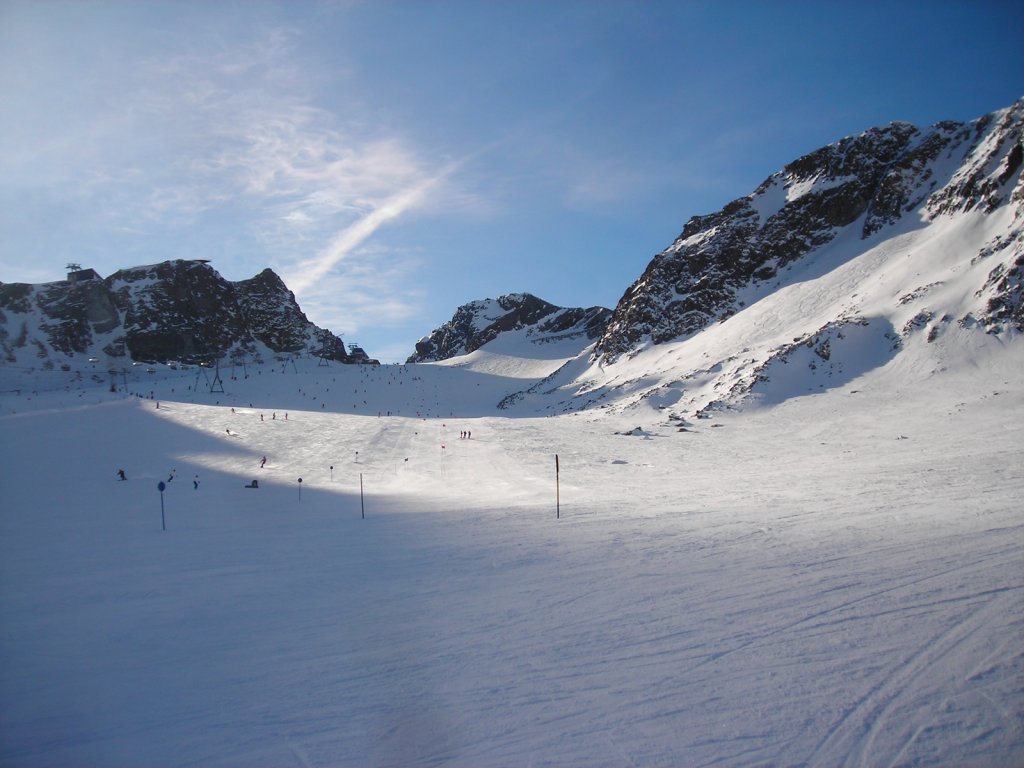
(120, 474)
(253, 484)
(174, 473)
(195, 483)
(263, 461)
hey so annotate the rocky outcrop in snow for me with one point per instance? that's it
(172, 311)
(858, 186)
(900, 249)
(480, 322)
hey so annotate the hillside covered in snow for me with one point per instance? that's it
(539, 323)
(836, 579)
(829, 269)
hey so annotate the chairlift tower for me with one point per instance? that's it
(201, 371)
(217, 385)
(323, 350)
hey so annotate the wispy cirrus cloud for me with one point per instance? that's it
(310, 271)
(226, 148)
(317, 189)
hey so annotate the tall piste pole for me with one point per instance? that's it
(558, 495)
(161, 486)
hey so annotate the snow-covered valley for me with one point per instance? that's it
(837, 579)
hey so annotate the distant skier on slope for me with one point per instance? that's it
(121, 475)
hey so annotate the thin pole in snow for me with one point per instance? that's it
(362, 507)
(160, 487)
(558, 499)
(300, 489)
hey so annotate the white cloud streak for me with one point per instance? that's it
(314, 185)
(225, 148)
(309, 272)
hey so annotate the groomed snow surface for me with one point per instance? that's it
(834, 580)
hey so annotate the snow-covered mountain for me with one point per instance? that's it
(868, 188)
(832, 267)
(897, 239)
(172, 311)
(480, 322)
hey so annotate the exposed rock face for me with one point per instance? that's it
(479, 322)
(863, 183)
(172, 311)
(177, 310)
(273, 317)
(72, 312)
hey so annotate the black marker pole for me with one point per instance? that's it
(558, 494)
(161, 486)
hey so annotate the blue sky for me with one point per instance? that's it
(393, 160)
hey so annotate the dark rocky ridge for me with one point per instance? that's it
(479, 322)
(868, 182)
(173, 311)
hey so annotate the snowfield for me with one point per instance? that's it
(834, 579)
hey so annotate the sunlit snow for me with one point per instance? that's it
(835, 580)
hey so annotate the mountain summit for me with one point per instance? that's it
(172, 311)
(900, 248)
(860, 191)
(480, 322)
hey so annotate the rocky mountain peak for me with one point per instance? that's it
(860, 186)
(181, 310)
(479, 322)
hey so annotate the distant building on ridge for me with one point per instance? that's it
(78, 275)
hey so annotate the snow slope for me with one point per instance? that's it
(818, 325)
(833, 579)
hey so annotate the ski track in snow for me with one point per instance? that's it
(837, 580)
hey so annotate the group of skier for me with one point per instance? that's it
(170, 478)
(463, 435)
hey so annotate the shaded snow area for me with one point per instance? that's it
(830, 579)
